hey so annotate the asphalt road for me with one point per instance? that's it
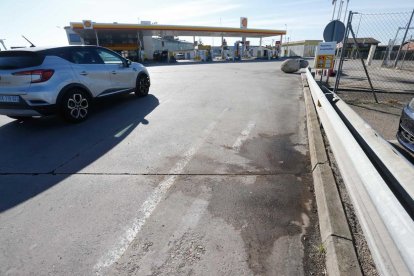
(208, 175)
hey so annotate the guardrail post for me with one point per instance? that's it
(363, 64)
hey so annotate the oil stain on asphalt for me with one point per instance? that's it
(273, 205)
(269, 210)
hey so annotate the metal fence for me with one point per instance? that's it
(375, 62)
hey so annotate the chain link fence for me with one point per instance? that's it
(375, 62)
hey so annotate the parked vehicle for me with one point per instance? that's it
(180, 56)
(405, 134)
(65, 80)
(161, 56)
(156, 56)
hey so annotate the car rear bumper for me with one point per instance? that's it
(19, 112)
(21, 108)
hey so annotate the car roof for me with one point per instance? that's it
(38, 49)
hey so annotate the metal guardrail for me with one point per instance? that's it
(388, 227)
(394, 168)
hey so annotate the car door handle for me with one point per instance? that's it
(84, 73)
(113, 72)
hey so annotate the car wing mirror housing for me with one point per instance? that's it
(127, 63)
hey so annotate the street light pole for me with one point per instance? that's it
(287, 47)
(285, 40)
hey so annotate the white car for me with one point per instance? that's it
(65, 80)
(179, 56)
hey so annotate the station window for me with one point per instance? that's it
(74, 38)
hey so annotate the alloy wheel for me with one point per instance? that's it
(78, 106)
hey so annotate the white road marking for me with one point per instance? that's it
(244, 135)
(151, 203)
(189, 221)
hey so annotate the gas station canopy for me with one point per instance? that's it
(150, 38)
(168, 30)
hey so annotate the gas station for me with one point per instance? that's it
(145, 40)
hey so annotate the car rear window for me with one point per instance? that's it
(10, 60)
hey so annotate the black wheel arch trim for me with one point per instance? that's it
(69, 87)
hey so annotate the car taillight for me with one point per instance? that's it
(37, 75)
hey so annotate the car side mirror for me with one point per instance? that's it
(127, 63)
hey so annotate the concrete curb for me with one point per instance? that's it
(341, 258)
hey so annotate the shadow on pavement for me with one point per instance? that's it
(43, 146)
(374, 107)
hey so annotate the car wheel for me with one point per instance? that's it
(20, 118)
(143, 85)
(75, 106)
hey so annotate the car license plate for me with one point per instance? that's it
(9, 99)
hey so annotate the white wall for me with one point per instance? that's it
(148, 47)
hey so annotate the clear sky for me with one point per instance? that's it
(42, 21)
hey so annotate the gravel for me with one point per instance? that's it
(384, 116)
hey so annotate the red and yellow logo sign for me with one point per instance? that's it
(243, 22)
(87, 24)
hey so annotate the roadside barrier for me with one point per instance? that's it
(385, 221)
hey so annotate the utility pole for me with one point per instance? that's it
(346, 10)
(340, 9)
(333, 12)
(405, 36)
